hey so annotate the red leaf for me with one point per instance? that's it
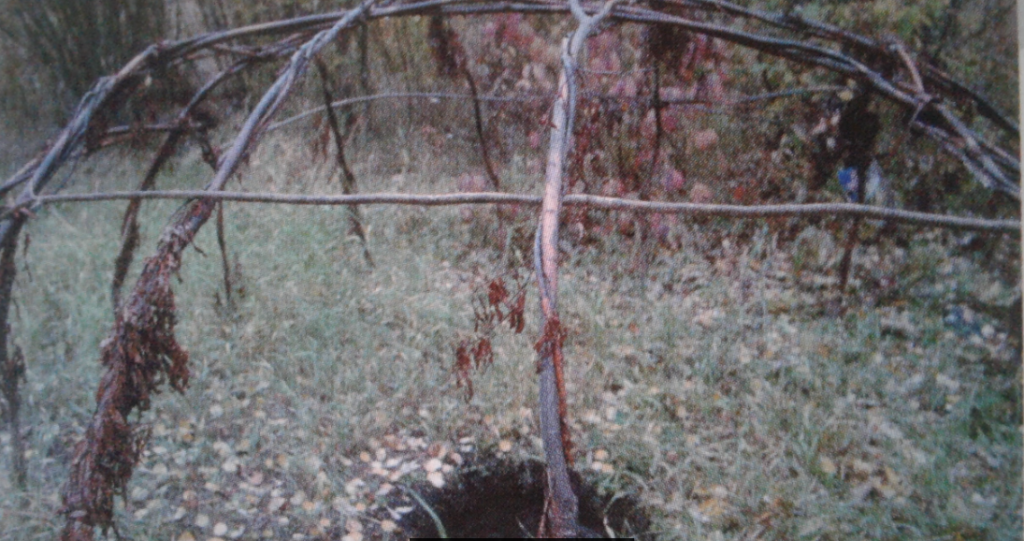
(496, 293)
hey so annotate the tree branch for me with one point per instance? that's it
(838, 210)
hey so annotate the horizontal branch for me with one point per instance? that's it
(722, 106)
(844, 210)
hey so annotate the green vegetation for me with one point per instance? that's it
(715, 373)
(710, 385)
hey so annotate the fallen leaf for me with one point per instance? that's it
(230, 465)
(352, 487)
(275, 503)
(713, 508)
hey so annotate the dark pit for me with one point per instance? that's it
(501, 499)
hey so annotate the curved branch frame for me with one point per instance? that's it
(141, 349)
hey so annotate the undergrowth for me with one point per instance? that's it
(722, 383)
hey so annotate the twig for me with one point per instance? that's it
(480, 132)
(224, 257)
(12, 366)
(129, 223)
(348, 179)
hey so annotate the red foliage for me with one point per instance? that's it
(489, 312)
(482, 353)
(515, 317)
(496, 293)
(463, 364)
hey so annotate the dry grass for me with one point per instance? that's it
(713, 384)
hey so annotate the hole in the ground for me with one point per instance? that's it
(501, 499)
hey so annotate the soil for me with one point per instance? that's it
(501, 499)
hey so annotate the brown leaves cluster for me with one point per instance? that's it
(140, 354)
(498, 308)
(498, 298)
(466, 357)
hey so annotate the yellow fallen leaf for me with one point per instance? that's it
(713, 508)
(186, 536)
(827, 466)
(388, 526)
(504, 446)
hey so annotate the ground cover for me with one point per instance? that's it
(717, 383)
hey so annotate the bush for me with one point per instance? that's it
(77, 41)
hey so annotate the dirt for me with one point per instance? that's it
(502, 499)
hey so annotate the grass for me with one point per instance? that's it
(711, 384)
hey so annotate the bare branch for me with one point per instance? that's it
(348, 178)
(562, 504)
(178, 129)
(141, 348)
(838, 210)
